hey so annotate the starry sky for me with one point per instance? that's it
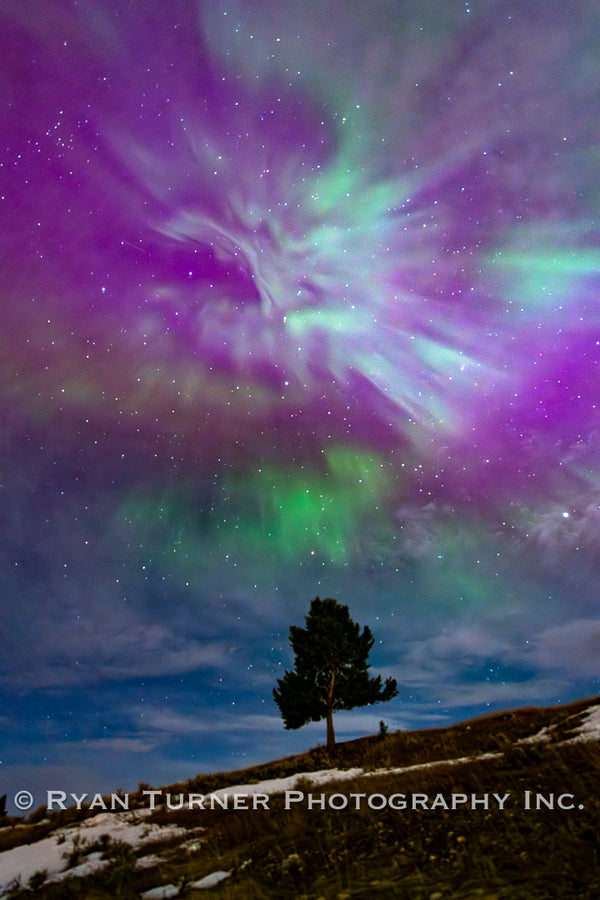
(296, 299)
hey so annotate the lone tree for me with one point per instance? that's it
(330, 669)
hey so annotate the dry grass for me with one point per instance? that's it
(418, 854)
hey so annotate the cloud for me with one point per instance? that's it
(207, 721)
(111, 643)
(121, 745)
(573, 648)
(347, 722)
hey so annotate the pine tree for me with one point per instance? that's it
(330, 669)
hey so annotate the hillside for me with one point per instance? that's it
(502, 806)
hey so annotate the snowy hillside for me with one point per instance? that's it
(111, 838)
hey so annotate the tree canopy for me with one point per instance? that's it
(330, 669)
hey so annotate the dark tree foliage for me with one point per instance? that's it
(330, 669)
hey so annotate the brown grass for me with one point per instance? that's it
(464, 853)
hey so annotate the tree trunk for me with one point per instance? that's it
(330, 732)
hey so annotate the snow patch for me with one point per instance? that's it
(210, 880)
(541, 737)
(158, 893)
(173, 890)
(589, 730)
(19, 864)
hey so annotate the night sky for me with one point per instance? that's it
(296, 299)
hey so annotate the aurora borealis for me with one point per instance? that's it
(295, 299)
